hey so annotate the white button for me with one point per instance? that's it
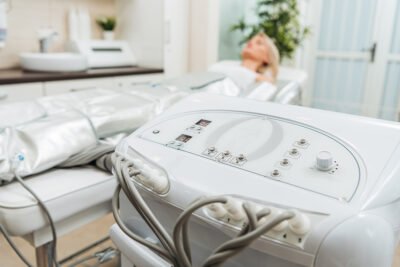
(241, 157)
(275, 173)
(302, 142)
(285, 162)
(324, 161)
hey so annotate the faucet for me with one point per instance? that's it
(45, 38)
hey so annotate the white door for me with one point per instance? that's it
(348, 59)
(389, 101)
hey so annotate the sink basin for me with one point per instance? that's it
(53, 62)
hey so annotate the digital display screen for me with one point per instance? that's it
(107, 49)
(203, 122)
(184, 138)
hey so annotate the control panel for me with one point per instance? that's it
(270, 147)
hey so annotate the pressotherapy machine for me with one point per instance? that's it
(74, 130)
(217, 180)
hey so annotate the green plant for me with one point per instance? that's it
(279, 19)
(107, 23)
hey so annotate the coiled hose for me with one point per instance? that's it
(176, 249)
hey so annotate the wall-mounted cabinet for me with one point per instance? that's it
(127, 81)
(30, 91)
(20, 92)
(61, 87)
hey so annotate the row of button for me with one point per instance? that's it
(225, 156)
(293, 153)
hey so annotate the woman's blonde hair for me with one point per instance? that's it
(272, 68)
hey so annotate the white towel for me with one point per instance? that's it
(3, 22)
(245, 79)
(263, 91)
(240, 75)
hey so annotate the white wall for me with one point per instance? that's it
(179, 35)
(157, 31)
(176, 33)
(27, 16)
(203, 34)
(141, 23)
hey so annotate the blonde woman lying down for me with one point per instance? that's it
(259, 64)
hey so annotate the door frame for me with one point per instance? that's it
(376, 77)
(376, 72)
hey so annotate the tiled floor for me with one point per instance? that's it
(79, 239)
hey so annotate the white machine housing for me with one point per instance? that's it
(339, 172)
(105, 54)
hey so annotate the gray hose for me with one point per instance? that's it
(152, 246)
(252, 217)
(182, 221)
(233, 247)
(176, 250)
(162, 234)
(250, 226)
(125, 184)
(262, 213)
(102, 153)
(104, 162)
(135, 198)
(88, 155)
(49, 218)
(14, 247)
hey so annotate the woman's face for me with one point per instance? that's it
(256, 49)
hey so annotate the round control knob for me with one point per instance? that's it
(285, 162)
(294, 152)
(275, 173)
(324, 161)
(211, 149)
(302, 142)
(226, 153)
(240, 158)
